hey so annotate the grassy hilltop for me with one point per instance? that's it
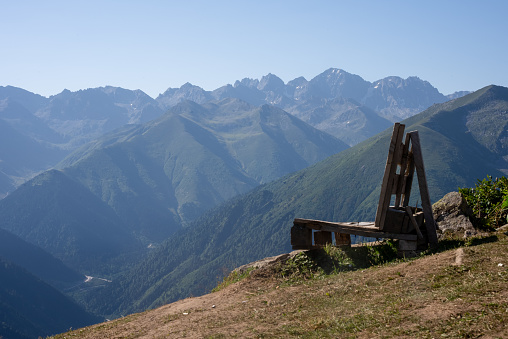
(458, 291)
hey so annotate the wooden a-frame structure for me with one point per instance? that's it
(414, 227)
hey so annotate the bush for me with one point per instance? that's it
(489, 201)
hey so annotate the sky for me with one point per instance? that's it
(48, 46)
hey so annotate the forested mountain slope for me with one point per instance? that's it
(37, 261)
(30, 308)
(462, 140)
(137, 185)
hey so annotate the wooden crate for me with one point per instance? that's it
(342, 239)
(398, 221)
(321, 238)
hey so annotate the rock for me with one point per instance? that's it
(452, 215)
(502, 228)
(267, 261)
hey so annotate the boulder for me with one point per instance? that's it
(267, 262)
(453, 215)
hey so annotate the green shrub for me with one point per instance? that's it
(489, 201)
(301, 265)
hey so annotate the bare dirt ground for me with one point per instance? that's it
(459, 293)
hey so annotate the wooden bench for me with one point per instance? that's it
(414, 227)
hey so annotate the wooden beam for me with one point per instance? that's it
(390, 171)
(408, 177)
(365, 229)
(401, 185)
(430, 223)
(413, 221)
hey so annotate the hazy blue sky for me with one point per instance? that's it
(47, 46)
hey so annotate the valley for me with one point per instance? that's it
(159, 199)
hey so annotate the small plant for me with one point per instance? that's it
(489, 201)
(382, 253)
(301, 265)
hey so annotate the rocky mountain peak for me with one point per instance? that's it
(247, 82)
(271, 82)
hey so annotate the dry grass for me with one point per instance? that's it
(457, 293)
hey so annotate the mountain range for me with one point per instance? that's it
(462, 140)
(133, 188)
(37, 132)
(393, 97)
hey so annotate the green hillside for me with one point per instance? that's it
(169, 171)
(116, 197)
(461, 141)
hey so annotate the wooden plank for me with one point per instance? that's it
(382, 205)
(408, 177)
(362, 229)
(395, 185)
(401, 186)
(350, 225)
(390, 171)
(397, 161)
(430, 223)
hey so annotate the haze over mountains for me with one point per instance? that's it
(134, 184)
(142, 183)
(38, 132)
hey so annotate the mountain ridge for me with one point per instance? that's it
(63, 122)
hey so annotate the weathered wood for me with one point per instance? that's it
(407, 249)
(389, 176)
(397, 171)
(301, 237)
(395, 186)
(362, 229)
(342, 239)
(401, 186)
(408, 177)
(418, 216)
(413, 221)
(405, 245)
(430, 223)
(396, 220)
(322, 238)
